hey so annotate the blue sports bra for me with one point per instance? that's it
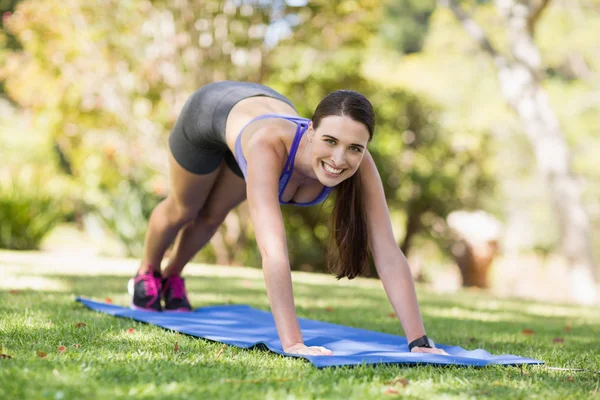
(286, 174)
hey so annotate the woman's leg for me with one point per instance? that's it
(188, 194)
(228, 191)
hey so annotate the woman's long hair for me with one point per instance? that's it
(348, 254)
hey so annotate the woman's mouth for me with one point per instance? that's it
(330, 171)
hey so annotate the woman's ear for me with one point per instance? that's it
(310, 131)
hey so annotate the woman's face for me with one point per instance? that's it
(338, 147)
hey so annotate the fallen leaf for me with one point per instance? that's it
(558, 340)
(392, 315)
(41, 354)
(391, 391)
(130, 330)
(221, 351)
(403, 381)
(13, 291)
(329, 309)
(471, 340)
(570, 379)
(108, 300)
(528, 332)
(5, 356)
(568, 328)
(62, 349)
(176, 347)
(77, 345)
(80, 325)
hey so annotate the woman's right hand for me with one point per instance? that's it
(301, 348)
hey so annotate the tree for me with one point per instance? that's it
(106, 83)
(520, 75)
(425, 173)
(405, 24)
(7, 40)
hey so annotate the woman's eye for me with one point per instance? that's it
(330, 141)
(355, 149)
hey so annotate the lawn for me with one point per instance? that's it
(61, 350)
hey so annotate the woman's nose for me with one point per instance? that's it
(338, 158)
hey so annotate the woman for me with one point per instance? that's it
(280, 158)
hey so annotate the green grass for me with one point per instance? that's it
(103, 360)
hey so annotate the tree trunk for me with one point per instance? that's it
(413, 225)
(475, 245)
(520, 83)
(474, 261)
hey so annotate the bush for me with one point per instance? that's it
(125, 211)
(28, 211)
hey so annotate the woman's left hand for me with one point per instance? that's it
(429, 350)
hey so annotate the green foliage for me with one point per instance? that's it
(107, 83)
(7, 7)
(405, 24)
(7, 40)
(125, 211)
(453, 71)
(426, 171)
(104, 83)
(28, 210)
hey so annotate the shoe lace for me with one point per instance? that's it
(177, 287)
(151, 286)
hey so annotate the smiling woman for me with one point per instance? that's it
(234, 140)
(344, 123)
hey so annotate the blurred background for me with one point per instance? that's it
(487, 138)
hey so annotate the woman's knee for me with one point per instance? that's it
(210, 218)
(178, 213)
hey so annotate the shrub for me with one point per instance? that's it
(28, 210)
(125, 211)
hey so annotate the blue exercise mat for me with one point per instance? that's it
(244, 326)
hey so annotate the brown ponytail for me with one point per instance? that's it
(348, 254)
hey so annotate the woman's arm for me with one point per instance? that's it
(390, 262)
(264, 156)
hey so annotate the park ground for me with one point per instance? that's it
(55, 348)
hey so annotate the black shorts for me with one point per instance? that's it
(197, 141)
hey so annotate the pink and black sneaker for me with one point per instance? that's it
(174, 294)
(146, 291)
